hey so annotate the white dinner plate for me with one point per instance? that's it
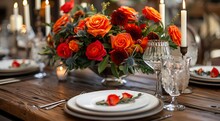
(5, 65)
(71, 104)
(152, 112)
(5, 69)
(204, 83)
(88, 101)
(204, 78)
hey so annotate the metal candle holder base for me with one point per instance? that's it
(183, 50)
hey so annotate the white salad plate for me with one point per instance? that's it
(204, 78)
(153, 102)
(7, 70)
(88, 101)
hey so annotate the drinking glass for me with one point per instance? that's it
(37, 47)
(186, 76)
(155, 51)
(172, 68)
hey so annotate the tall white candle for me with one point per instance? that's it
(184, 25)
(26, 14)
(47, 16)
(37, 4)
(15, 11)
(15, 19)
(162, 12)
(61, 2)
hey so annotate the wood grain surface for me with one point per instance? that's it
(19, 98)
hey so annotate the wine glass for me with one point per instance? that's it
(37, 47)
(172, 71)
(155, 51)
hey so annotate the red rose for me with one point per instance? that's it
(134, 31)
(95, 51)
(67, 6)
(118, 56)
(63, 50)
(113, 100)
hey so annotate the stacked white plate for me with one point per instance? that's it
(6, 70)
(204, 79)
(84, 106)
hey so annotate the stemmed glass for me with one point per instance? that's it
(155, 51)
(172, 72)
(37, 47)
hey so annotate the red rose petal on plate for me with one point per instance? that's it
(214, 72)
(126, 95)
(112, 100)
(15, 64)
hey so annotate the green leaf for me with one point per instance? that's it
(102, 65)
(114, 70)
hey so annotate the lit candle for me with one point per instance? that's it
(61, 2)
(15, 19)
(37, 4)
(47, 16)
(61, 72)
(162, 12)
(184, 25)
(26, 14)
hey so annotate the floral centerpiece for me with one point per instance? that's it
(83, 38)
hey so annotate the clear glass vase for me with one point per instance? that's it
(109, 80)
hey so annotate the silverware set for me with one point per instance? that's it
(8, 80)
(52, 105)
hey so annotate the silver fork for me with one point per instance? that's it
(57, 103)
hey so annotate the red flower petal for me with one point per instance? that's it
(112, 100)
(126, 95)
(15, 64)
(214, 72)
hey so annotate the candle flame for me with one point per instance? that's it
(47, 2)
(162, 1)
(24, 2)
(184, 4)
(15, 5)
(61, 68)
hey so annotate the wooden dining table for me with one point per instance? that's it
(18, 100)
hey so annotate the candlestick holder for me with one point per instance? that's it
(14, 48)
(39, 33)
(183, 51)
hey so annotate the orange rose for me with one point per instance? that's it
(175, 34)
(62, 21)
(144, 42)
(151, 14)
(121, 41)
(98, 25)
(130, 12)
(73, 45)
(80, 26)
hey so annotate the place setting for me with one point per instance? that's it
(205, 75)
(113, 105)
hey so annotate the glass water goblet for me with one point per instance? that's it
(155, 51)
(171, 80)
(37, 47)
